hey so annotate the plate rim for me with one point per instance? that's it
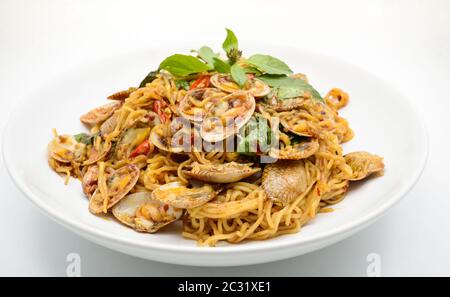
(80, 228)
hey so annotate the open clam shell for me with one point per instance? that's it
(144, 214)
(178, 195)
(220, 173)
(298, 151)
(100, 114)
(65, 149)
(227, 116)
(363, 164)
(254, 86)
(98, 151)
(196, 103)
(118, 184)
(285, 180)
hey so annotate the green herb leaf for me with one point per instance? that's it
(253, 70)
(221, 66)
(183, 65)
(238, 75)
(207, 55)
(182, 84)
(269, 64)
(289, 87)
(84, 138)
(231, 47)
(230, 42)
(148, 79)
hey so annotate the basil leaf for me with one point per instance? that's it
(148, 79)
(238, 75)
(182, 84)
(269, 64)
(207, 55)
(231, 42)
(183, 65)
(231, 47)
(221, 66)
(286, 87)
(84, 138)
(253, 70)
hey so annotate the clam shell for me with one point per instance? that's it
(100, 114)
(65, 149)
(285, 180)
(213, 129)
(177, 195)
(363, 164)
(221, 173)
(297, 151)
(130, 172)
(126, 212)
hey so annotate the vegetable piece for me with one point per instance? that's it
(230, 46)
(148, 79)
(238, 75)
(183, 65)
(221, 66)
(269, 64)
(207, 55)
(142, 149)
(201, 82)
(289, 87)
(182, 84)
(84, 138)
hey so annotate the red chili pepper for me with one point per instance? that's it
(201, 82)
(142, 149)
(157, 108)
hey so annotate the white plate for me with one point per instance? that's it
(384, 123)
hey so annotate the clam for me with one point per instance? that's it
(100, 114)
(65, 149)
(177, 195)
(296, 121)
(220, 173)
(227, 116)
(98, 151)
(363, 164)
(161, 137)
(254, 86)
(89, 180)
(130, 139)
(118, 184)
(144, 214)
(285, 180)
(122, 95)
(196, 103)
(287, 104)
(109, 125)
(297, 151)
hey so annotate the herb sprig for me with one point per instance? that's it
(269, 69)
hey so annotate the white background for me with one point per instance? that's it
(405, 42)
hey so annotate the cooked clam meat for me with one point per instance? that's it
(113, 187)
(178, 195)
(227, 116)
(253, 85)
(144, 214)
(65, 149)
